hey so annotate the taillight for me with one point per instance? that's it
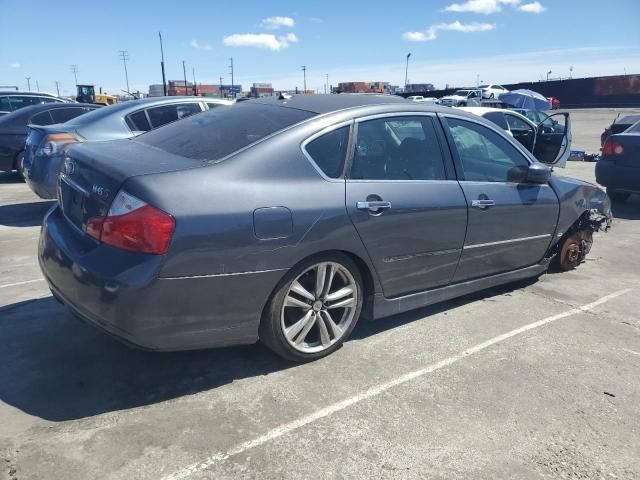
(53, 143)
(133, 225)
(611, 147)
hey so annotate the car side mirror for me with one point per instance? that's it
(538, 173)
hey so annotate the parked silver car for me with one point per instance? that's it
(45, 146)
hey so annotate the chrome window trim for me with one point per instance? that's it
(73, 184)
(506, 242)
(376, 116)
(324, 131)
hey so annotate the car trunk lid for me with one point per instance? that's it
(92, 174)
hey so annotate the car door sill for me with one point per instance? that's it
(385, 307)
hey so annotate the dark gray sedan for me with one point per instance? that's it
(288, 220)
(45, 145)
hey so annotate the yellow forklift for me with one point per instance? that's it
(87, 94)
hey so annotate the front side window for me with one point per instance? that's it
(329, 151)
(397, 148)
(485, 155)
(516, 123)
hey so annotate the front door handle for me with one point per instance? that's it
(374, 205)
(482, 204)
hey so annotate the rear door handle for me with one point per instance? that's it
(374, 205)
(482, 204)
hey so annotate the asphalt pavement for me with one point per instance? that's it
(534, 380)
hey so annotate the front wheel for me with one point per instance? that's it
(616, 196)
(314, 309)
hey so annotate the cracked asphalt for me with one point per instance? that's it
(536, 380)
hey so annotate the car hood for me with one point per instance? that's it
(453, 97)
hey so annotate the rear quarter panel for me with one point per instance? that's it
(215, 207)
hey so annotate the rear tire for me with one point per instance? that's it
(616, 196)
(314, 308)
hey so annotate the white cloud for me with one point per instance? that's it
(260, 40)
(198, 46)
(533, 7)
(432, 32)
(485, 7)
(277, 22)
(15, 65)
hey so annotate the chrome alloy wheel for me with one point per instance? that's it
(319, 307)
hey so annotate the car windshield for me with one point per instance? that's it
(218, 133)
(462, 93)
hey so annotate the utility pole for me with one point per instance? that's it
(233, 92)
(58, 87)
(28, 83)
(74, 69)
(195, 85)
(184, 73)
(304, 74)
(570, 72)
(164, 78)
(124, 56)
(37, 86)
(548, 73)
(406, 72)
(221, 94)
(326, 85)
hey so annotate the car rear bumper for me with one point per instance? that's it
(616, 177)
(41, 174)
(122, 293)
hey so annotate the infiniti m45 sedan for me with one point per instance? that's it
(286, 221)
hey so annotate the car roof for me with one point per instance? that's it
(326, 103)
(28, 94)
(482, 110)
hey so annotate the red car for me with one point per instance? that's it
(555, 103)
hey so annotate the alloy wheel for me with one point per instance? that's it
(320, 305)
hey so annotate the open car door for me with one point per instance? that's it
(553, 141)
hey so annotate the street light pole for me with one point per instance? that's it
(28, 83)
(233, 92)
(124, 56)
(549, 73)
(164, 78)
(195, 85)
(221, 94)
(406, 73)
(58, 87)
(304, 74)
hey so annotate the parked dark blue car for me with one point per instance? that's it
(288, 220)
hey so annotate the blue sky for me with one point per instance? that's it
(451, 41)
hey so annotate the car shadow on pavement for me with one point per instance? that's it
(24, 214)
(629, 210)
(10, 177)
(57, 368)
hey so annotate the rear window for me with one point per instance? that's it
(217, 133)
(634, 128)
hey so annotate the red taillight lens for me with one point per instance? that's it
(611, 147)
(142, 229)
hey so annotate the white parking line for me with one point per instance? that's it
(22, 283)
(289, 427)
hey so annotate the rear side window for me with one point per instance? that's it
(42, 118)
(170, 113)
(329, 151)
(61, 115)
(222, 131)
(138, 121)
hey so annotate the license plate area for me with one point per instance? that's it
(72, 198)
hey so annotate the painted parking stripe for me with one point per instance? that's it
(22, 283)
(375, 390)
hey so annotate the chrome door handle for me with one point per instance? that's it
(482, 204)
(374, 205)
